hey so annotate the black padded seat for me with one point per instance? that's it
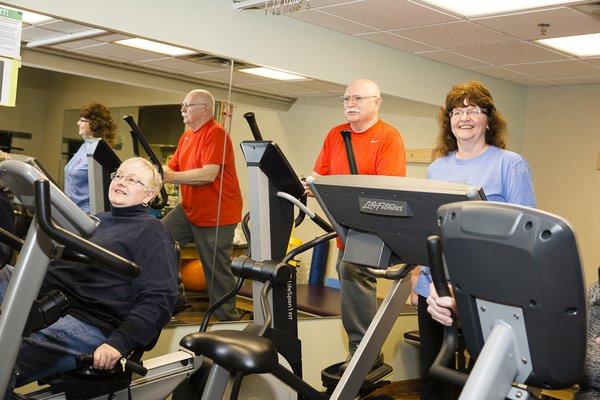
(234, 350)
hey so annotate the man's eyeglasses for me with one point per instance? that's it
(129, 180)
(471, 112)
(188, 105)
(356, 98)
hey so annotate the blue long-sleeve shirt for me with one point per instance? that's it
(503, 175)
(77, 186)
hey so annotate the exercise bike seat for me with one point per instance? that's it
(234, 350)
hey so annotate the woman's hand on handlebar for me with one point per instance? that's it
(106, 356)
(441, 308)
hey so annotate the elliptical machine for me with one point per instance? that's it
(403, 216)
(519, 290)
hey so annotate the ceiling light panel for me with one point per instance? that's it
(272, 74)
(156, 47)
(579, 45)
(488, 7)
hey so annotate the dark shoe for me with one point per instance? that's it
(376, 364)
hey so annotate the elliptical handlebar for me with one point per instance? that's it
(87, 360)
(95, 252)
(138, 137)
(251, 119)
(347, 137)
(439, 368)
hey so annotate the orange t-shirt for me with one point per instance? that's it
(378, 151)
(195, 150)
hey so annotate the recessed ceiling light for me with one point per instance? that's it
(156, 47)
(487, 7)
(579, 45)
(31, 17)
(272, 74)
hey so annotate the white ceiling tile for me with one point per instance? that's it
(324, 3)
(238, 77)
(390, 14)
(448, 57)
(510, 53)
(563, 22)
(395, 41)
(32, 33)
(537, 82)
(505, 73)
(558, 69)
(330, 21)
(179, 65)
(455, 34)
(64, 26)
(77, 44)
(577, 81)
(112, 37)
(117, 51)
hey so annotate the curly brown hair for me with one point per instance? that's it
(471, 93)
(101, 123)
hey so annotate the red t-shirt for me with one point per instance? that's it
(195, 150)
(378, 151)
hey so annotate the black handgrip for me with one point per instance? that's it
(323, 224)
(87, 360)
(138, 137)
(253, 126)
(308, 245)
(434, 249)
(136, 367)
(11, 240)
(301, 214)
(439, 368)
(347, 136)
(261, 271)
(95, 252)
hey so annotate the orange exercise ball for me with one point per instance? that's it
(193, 275)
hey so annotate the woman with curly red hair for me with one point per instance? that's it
(471, 149)
(94, 122)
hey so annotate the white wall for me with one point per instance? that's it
(277, 41)
(561, 143)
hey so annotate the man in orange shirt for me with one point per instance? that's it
(379, 150)
(211, 203)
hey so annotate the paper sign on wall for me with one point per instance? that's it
(10, 33)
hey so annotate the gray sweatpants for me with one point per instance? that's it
(219, 279)
(359, 300)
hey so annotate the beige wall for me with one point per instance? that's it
(561, 143)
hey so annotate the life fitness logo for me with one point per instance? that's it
(392, 208)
